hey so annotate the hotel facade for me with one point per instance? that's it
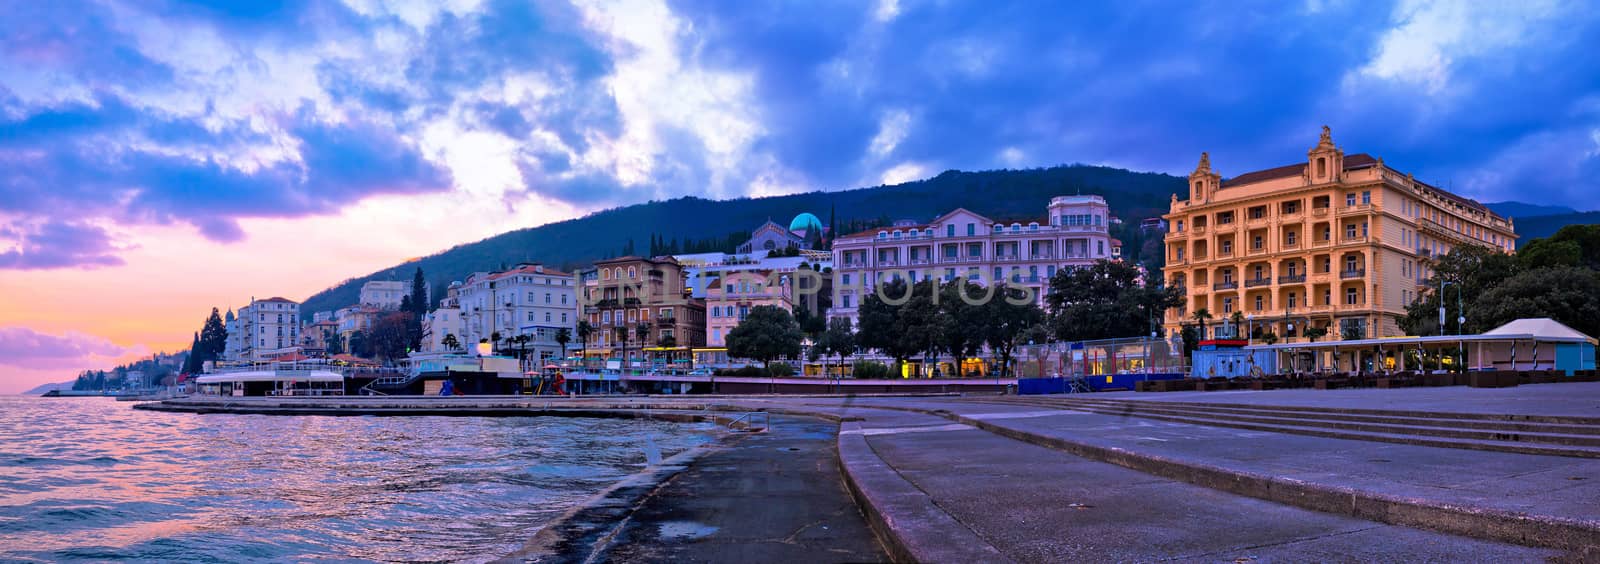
(529, 300)
(1074, 233)
(1338, 242)
(623, 293)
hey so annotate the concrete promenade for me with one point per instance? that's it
(1034, 479)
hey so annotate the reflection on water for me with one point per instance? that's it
(93, 479)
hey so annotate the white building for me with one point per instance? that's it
(445, 321)
(527, 300)
(262, 330)
(387, 294)
(1025, 252)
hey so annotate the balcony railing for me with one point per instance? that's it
(1199, 230)
(1357, 273)
(667, 321)
(1292, 279)
(1257, 282)
(1041, 256)
(920, 261)
(1319, 212)
(1225, 286)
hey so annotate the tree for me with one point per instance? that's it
(191, 364)
(563, 336)
(622, 344)
(1314, 333)
(1007, 318)
(334, 342)
(1569, 295)
(1237, 319)
(768, 333)
(358, 344)
(213, 337)
(878, 323)
(838, 340)
(450, 342)
(389, 337)
(1201, 316)
(1573, 245)
(1105, 301)
(420, 301)
(962, 333)
(1467, 272)
(922, 323)
(585, 331)
(1351, 331)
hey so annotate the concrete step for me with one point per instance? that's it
(1569, 435)
(1397, 418)
(1550, 419)
(1385, 437)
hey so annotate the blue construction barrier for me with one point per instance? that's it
(1041, 386)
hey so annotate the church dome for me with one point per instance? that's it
(807, 223)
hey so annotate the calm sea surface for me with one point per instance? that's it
(93, 479)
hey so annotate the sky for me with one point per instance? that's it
(159, 158)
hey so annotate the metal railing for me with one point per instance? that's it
(749, 420)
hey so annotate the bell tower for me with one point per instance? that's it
(1203, 182)
(1325, 162)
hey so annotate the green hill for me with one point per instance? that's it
(1537, 227)
(1002, 194)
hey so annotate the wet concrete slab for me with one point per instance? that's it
(1578, 399)
(772, 497)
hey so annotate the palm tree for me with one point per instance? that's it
(1201, 316)
(642, 330)
(622, 343)
(563, 336)
(450, 342)
(1238, 321)
(585, 330)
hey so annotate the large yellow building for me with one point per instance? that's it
(1339, 242)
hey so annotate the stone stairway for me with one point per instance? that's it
(1540, 435)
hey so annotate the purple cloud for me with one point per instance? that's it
(25, 348)
(56, 244)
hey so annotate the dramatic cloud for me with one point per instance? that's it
(24, 348)
(118, 115)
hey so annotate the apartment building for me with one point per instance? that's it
(730, 297)
(1024, 252)
(1337, 242)
(530, 299)
(628, 291)
(262, 330)
(444, 321)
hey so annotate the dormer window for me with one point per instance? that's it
(897, 233)
(999, 228)
(883, 234)
(1033, 226)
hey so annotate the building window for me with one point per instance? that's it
(1350, 296)
(1227, 246)
(950, 230)
(1350, 231)
(1291, 301)
(547, 297)
(1256, 242)
(1227, 305)
(1350, 264)
(1291, 237)
(1350, 200)
(1327, 297)
(1260, 303)
(1260, 272)
(972, 229)
(1322, 167)
(563, 318)
(1366, 197)
(547, 317)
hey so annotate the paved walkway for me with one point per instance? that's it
(1035, 504)
(1580, 399)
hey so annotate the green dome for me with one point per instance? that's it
(806, 222)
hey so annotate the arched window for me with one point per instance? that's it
(1322, 167)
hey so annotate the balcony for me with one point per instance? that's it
(888, 262)
(1349, 274)
(667, 321)
(976, 258)
(1199, 230)
(1258, 250)
(1319, 212)
(920, 261)
(1007, 257)
(1291, 245)
(1292, 279)
(630, 302)
(1257, 282)
(1041, 256)
(1220, 286)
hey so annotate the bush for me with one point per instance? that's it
(867, 369)
(781, 370)
(745, 371)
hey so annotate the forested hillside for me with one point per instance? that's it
(699, 223)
